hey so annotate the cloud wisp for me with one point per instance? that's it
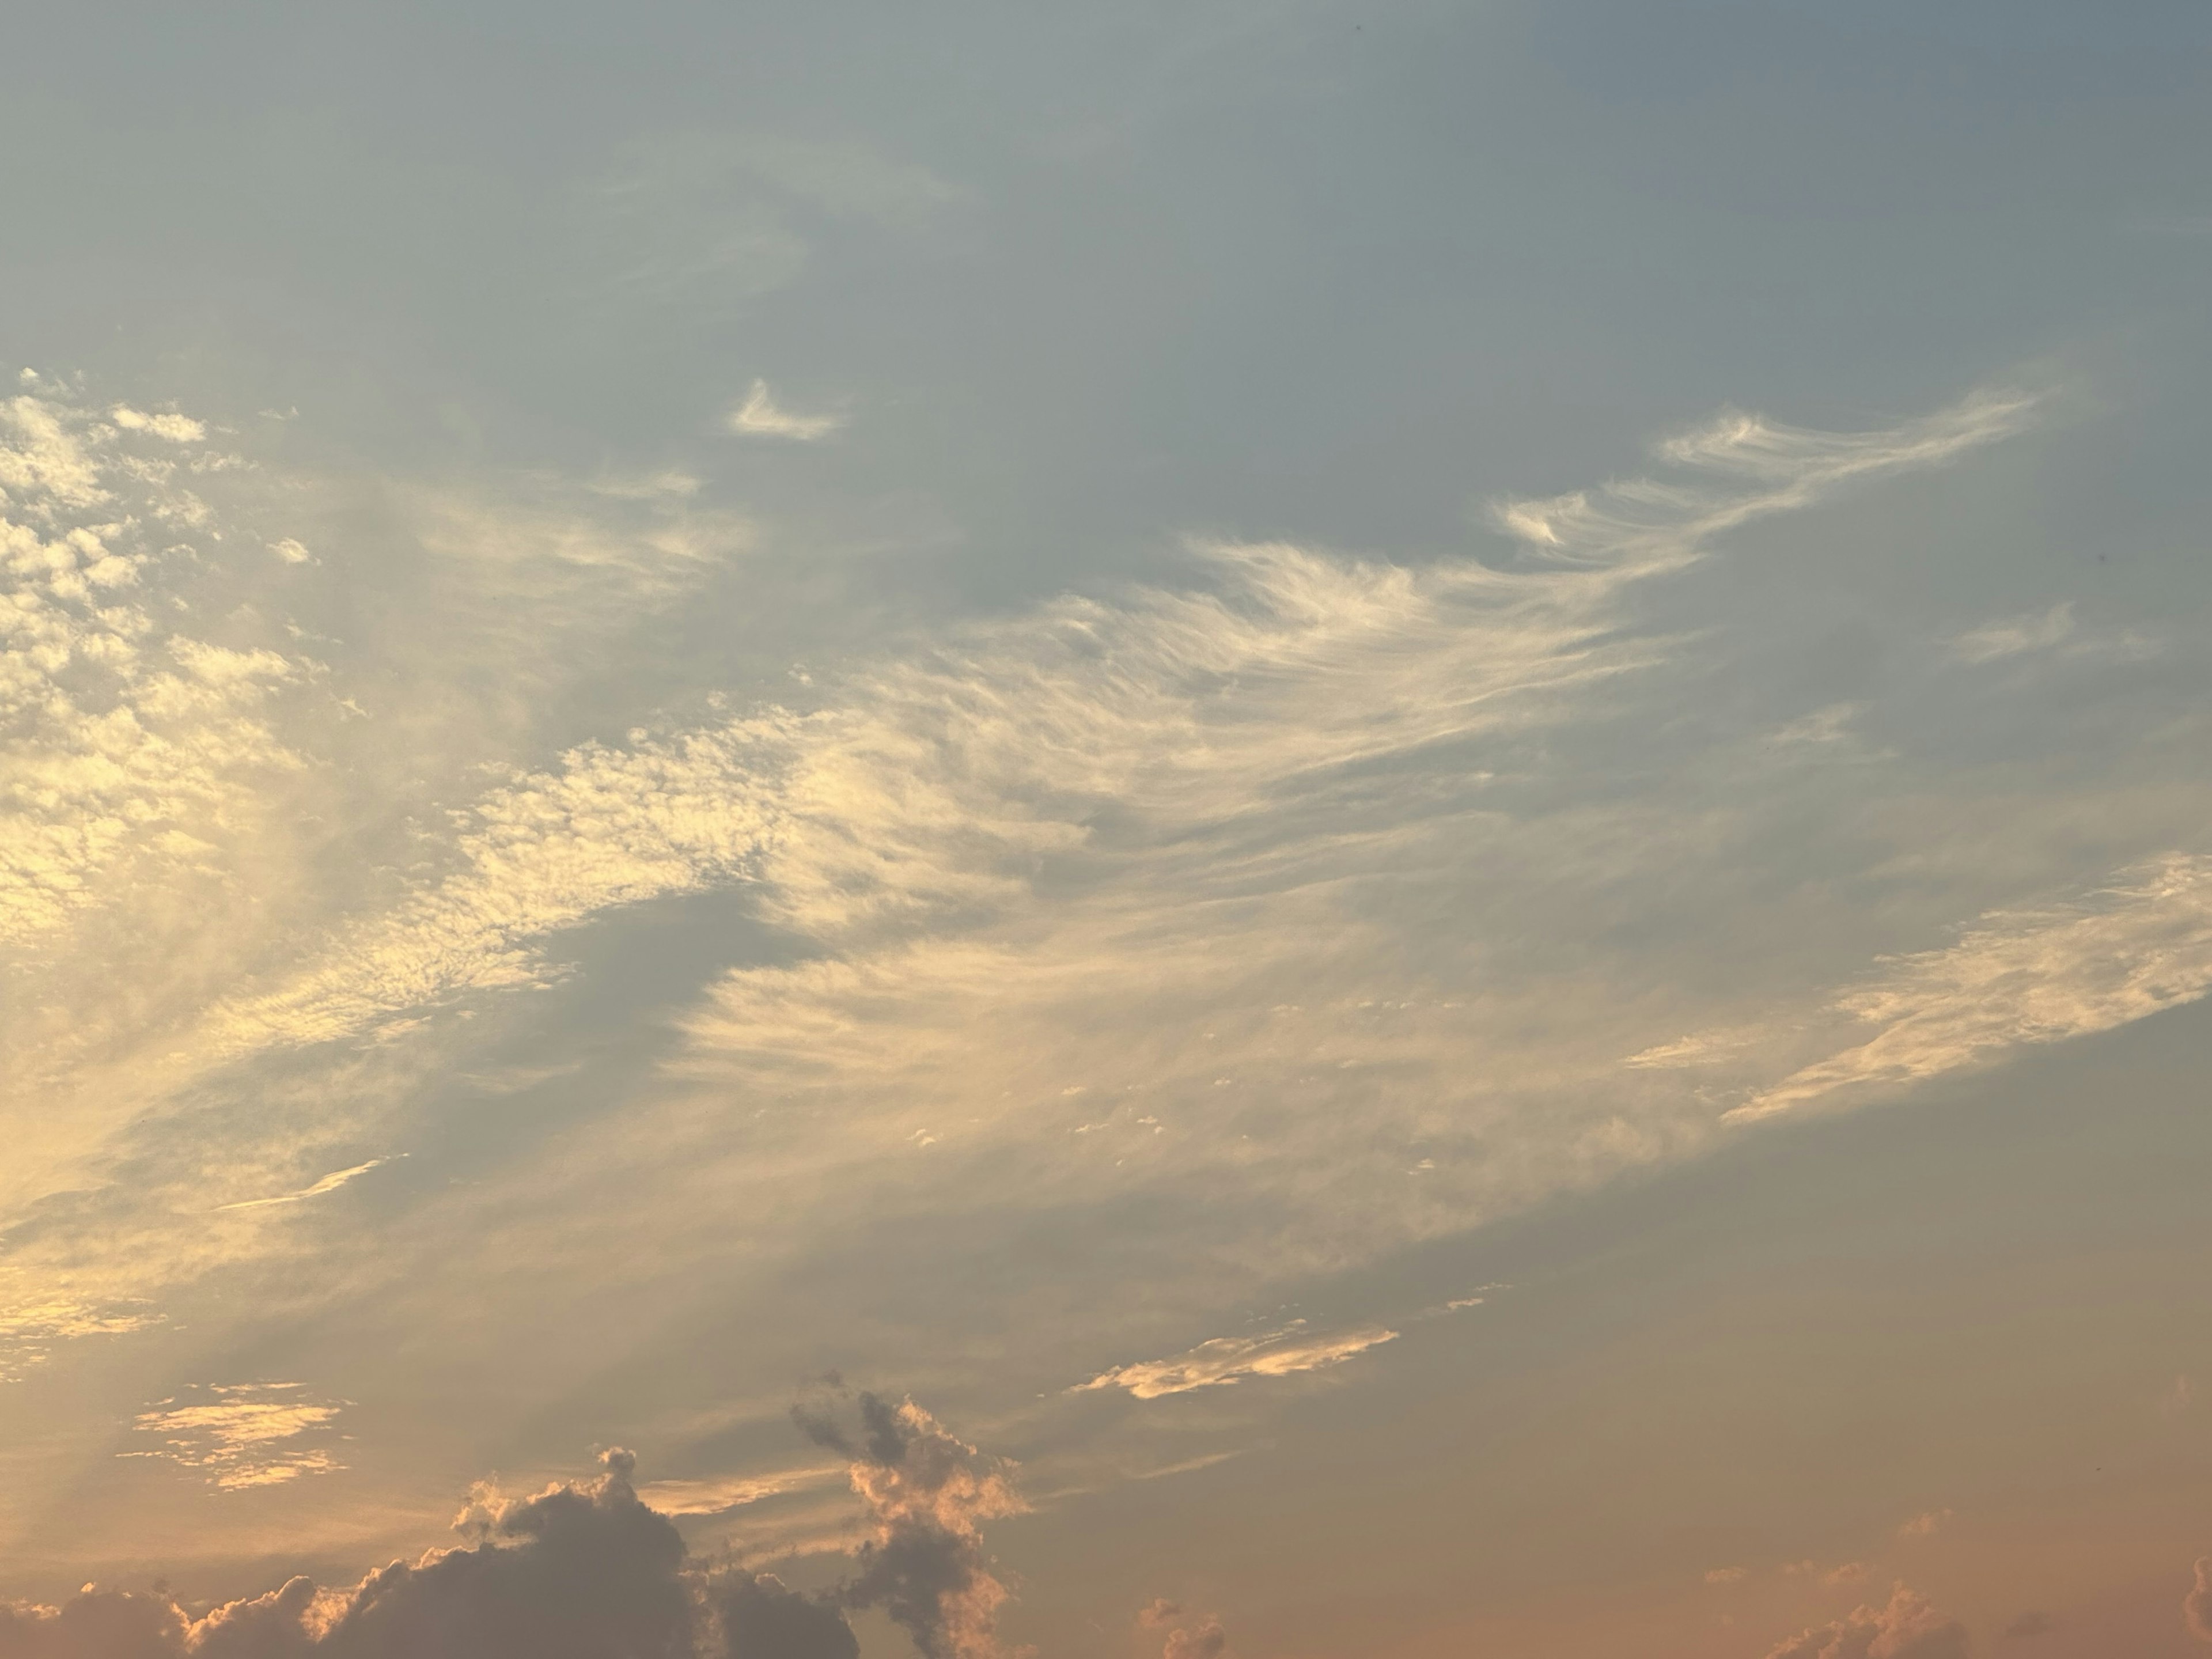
(328, 1183)
(1223, 1360)
(242, 1435)
(761, 416)
(2016, 978)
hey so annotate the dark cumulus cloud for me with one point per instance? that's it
(928, 1493)
(587, 1569)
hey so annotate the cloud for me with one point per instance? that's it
(1926, 1525)
(761, 416)
(2015, 635)
(2141, 945)
(127, 744)
(29, 1330)
(2056, 631)
(243, 1435)
(177, 429)
(2196, 1606)
(1226, 1359)
(926, 1494)
(1206, 1640)
(1183, 845)
(580, 1571)
(1906, 1628)
(328, 1183)
(2028, 1624)
(760, 1618)
(1726, 1575)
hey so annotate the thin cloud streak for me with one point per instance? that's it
(1223, 1360)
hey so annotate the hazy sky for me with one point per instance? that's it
(1255, 830)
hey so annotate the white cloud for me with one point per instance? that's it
(2020, 978)
(328, 1183)
(761, 416)
(177, 429)
(244, 1435)
(1226, 1359)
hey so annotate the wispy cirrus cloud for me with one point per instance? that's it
(2017, 979)
(761, 416)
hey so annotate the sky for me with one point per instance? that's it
(1259, 829)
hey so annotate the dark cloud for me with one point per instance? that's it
(1907, 1628)
(760, 1618)
(584, 1570)
(928, 1493)
(2028, 1625)
(588, 1570)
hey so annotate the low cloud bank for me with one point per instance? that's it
(587, 1570)
(1907, 1628)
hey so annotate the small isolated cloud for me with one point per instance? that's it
(927, 1494)
(1829, 725)
(2057, 630)
(2028, 1625)
(668, 484)
(1907, 1628)
(761, 416)
(1726, 1575)
(177, 429)
(328, 1183)
(2176, 1399)
(243, 1434)
(1227, 1359)
(1161, 1612)
(1698, 1049)
(2196, 1606)
(291, 551)
(2013, 636)
(1848, 1573)
(1925, 1526)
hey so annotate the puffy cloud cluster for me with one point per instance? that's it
(588, 1569)
(928, 1493)
(1907, 1628)
(579, 1571)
